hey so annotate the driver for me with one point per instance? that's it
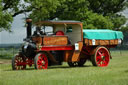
(38, 32)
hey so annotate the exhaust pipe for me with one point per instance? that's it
(29, 27)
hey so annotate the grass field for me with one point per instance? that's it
(115, 74)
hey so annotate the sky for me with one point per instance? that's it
(19, 31)
(17, 34)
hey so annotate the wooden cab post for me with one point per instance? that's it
(76, 53)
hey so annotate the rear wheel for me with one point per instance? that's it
(18, 62)
(41, 61)
(101, 57)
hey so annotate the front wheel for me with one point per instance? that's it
(18, 62)
(101, 57)
(41, 61)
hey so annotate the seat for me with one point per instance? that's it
(59, 33)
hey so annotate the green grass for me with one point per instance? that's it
(115, 74)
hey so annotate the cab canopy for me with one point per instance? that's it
(72, 29)
(51, 23)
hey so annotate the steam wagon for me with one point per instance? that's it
(54, 42)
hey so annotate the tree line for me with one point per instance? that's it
(95, 14)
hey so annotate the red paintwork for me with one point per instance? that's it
(49, 48)
(19, 62)
(28, 62)
(102, 57)
(59, 33)
(42, 62)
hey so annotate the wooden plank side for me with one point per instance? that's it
(55, 40)
(102, 42)
(88, 42)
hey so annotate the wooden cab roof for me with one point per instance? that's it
(51, 23)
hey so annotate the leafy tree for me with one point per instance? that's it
(5, 19)
(35, 9)
(96, 21)
(124, 28)
(78, 10)
(41, 9)
(110, 8)
(98, 14)
(118, 20)
(106, 7)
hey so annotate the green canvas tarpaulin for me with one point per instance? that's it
(102, 34)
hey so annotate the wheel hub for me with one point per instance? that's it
(43, 62)
(103, 57)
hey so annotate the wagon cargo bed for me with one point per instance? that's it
(102, 37)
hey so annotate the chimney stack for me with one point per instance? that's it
(29, 27)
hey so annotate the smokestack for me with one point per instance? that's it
(29, 27)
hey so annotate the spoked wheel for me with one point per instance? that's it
(18, 62)
(101, 57)
(73, 64)
(41, 61)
